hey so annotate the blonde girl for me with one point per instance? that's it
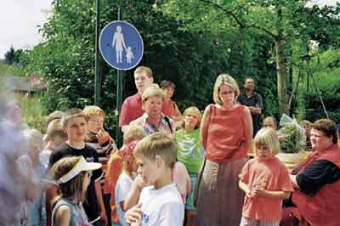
(190, 154)
(72, 174)
(265, 181)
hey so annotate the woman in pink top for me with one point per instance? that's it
(226, 135)
(266, 182)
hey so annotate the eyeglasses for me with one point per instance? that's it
(226, 92)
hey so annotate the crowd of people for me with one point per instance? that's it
(173, 169)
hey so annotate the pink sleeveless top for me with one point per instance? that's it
(226, 134)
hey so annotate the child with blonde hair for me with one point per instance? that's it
(72, 174)
(265, 181)
(115, 165)
(190, 154)
(105, 146)
(55, 136)
(160, 202)
(125, 180)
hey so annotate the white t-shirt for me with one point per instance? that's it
(122, 189)
(45, 157)
(162, 207)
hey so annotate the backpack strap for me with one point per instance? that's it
(169, 123)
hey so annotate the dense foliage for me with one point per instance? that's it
(187, 42)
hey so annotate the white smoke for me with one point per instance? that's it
(13, 147)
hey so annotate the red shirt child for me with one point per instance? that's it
(265, 180)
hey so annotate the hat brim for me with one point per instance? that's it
(81, 166)
(89, 166)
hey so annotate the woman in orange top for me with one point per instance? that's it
(226, 134)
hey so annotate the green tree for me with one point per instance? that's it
(12, 56)
(282, 21)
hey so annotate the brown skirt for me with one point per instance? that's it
(219, 200)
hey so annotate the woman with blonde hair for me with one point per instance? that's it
(153, 120)
(226, 135)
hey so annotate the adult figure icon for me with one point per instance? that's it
(118, 43)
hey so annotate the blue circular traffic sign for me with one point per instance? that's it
(121, 45)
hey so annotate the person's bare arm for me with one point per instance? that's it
(63, 216)
(204, 127)
(255, 110)
(101, 205)
(51, 194)
(133, 196)
(244, 188)
(248, 124)
(271, 194)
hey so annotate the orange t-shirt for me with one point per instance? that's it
(273, 175)
(225, 134)
(115, 165)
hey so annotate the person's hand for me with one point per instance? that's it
(103, 137)
(103, 218)
(134, 215)
(258, 192)
(249, 193)
(139, 182)
(102, 134)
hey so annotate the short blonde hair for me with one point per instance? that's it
(34, 138)
(147, 71)
(159, 144)
(90, 111)
(71, 114)
(55, 129)
(224, 79)
(194, 111)
(135, 132)
(152, 91)
(54, 115)
(267, 137)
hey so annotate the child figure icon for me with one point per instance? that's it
(129, 55)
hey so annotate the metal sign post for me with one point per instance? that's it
(121, 46)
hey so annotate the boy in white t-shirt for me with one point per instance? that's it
(160, 203)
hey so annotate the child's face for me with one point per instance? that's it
(190, 120)
(95, 123)
(132, 163)
(147, 169)
(76, 129)
(58, 140)
(34, 153)
(169, 92)
(263, 152)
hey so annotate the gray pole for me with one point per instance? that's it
(119, 97)
(97, 86)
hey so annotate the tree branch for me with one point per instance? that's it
(228, 12)
(238, 20)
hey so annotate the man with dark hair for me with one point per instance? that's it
(253, 101)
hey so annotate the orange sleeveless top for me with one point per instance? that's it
(225, 134)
